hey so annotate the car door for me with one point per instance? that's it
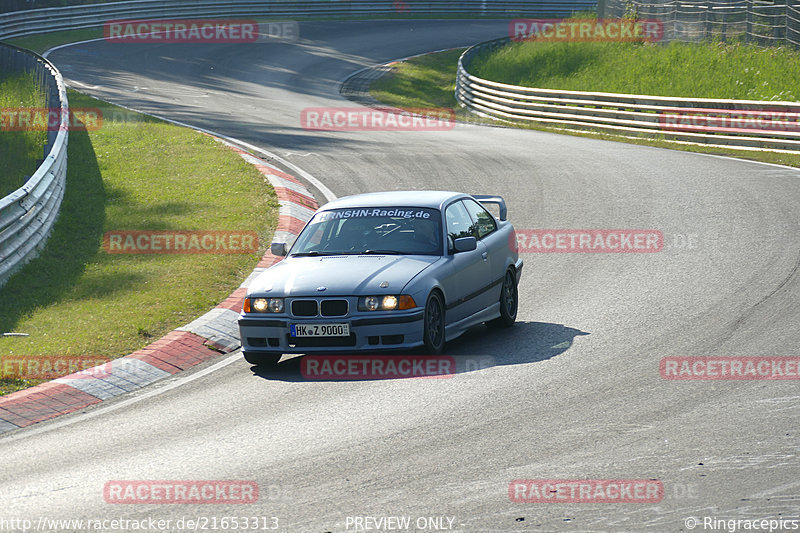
(469, 271)
(496, 246)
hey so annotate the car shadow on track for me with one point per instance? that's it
(478, 349)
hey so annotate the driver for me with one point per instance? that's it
(425, 235)
(360, 232)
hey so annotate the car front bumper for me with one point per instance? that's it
(395, 330)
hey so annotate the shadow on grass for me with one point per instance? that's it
(74, 241)
(151, 216)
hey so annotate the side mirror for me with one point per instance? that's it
(278, 248)
(465, 244)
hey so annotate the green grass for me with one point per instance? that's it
(697, 70)
(429, 81)
(134, 173)
(42, 42)
(20, 151)
(425, 81)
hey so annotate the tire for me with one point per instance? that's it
(264, 360)
(509, 301)
(433, 324)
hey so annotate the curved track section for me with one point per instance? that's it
(574, 391)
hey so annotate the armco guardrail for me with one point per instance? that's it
(27, 215)
(29, 22)
(731, 123)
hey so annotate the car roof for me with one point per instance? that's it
(433, 199)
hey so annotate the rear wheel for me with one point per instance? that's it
(433, 330)
(509, 299)
(264, 360)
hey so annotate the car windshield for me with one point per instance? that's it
(384, 230)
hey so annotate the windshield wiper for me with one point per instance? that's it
(381, 252)
(313, 253)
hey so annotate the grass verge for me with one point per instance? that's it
(22, 151)
(429, 81)
(696, 70)
(42, 42)
(424, 81)
(134, 173)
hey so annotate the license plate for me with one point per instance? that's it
(320, 330)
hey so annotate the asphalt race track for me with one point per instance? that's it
(572, 392)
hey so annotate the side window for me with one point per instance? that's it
(459, 223)
(483, 219)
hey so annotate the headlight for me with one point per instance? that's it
(371, 303)
(263, 305)
(386, 303)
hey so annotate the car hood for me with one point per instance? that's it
(343, 275)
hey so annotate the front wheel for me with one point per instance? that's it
(264, 360)
(433, 330)
(509, 298)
